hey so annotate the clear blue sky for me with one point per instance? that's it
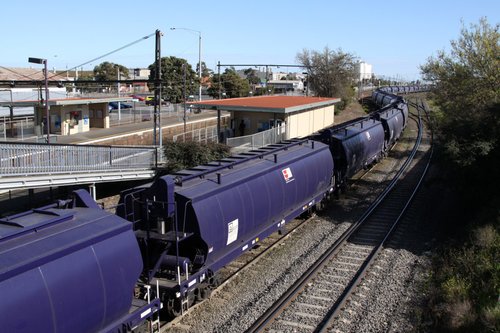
(394, 36)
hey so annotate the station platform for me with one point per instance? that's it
(100, 135)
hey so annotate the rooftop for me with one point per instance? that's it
(277, 104)
(35, 74)
(67, 101)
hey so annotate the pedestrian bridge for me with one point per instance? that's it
(35, 165)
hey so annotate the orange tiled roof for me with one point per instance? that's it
(263, 103)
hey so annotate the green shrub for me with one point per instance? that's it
(490, 317)
(455, 288)
(466, 280)
(184, 155)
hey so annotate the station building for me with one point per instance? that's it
(70, 115)
(301, 115)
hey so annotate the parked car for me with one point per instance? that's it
(152, 101)
(139, 97)
(114, 106)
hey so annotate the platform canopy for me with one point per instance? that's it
(276, 104)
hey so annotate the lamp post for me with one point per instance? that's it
(199, 55)
(184, 97)
(44, 62)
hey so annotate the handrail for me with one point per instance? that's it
(260, 139)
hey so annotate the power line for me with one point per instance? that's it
(105, 55)
(20, 74)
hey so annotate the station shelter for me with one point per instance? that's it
(302, 115)
(75, 115)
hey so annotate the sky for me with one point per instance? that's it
(396, 37)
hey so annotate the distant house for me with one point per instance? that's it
(286, 85)
(11, 93)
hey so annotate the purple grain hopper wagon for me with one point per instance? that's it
(393, 121)
(354, 146)
(201, 219)
(68, 270)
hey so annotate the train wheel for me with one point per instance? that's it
(319, 206)
(205, 293)
(174, 307)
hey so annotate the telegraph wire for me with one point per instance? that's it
(105, 55)
(12, 71)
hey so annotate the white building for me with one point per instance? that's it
(365, 70)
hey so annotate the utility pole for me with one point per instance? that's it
(45, 74)
(199, 55)
(184, 98)
(199, 65)
(220, 80)
(157, 105)
(118, 91)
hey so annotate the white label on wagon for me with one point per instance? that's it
(232, 231)
(190, 284)
(287, 175)
(145, 313)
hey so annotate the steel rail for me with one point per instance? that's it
(333, 313)
(234, 274)
(267, 318)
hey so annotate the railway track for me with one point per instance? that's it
(246, 261)
(307, 305)
(252, 258)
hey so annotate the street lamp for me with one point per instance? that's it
(199, 55)
(44, 62)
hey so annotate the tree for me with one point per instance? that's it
(466, 89)
(330, 73)
(205, 71)
(466, 97)
(108, 71)
(87, 87)
(215, 86)
(252, 76)
(231, 84)
(173, 70)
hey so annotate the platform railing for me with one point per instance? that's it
(257, 140)
(38, 159)
(19, 129)
(204, 135)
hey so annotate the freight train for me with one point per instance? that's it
(73, 267)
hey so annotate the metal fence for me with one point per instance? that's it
(199, 135)
(18, 129)
(31, 159)
(261, 139)
(140, 113)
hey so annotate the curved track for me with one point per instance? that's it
(307, 305)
